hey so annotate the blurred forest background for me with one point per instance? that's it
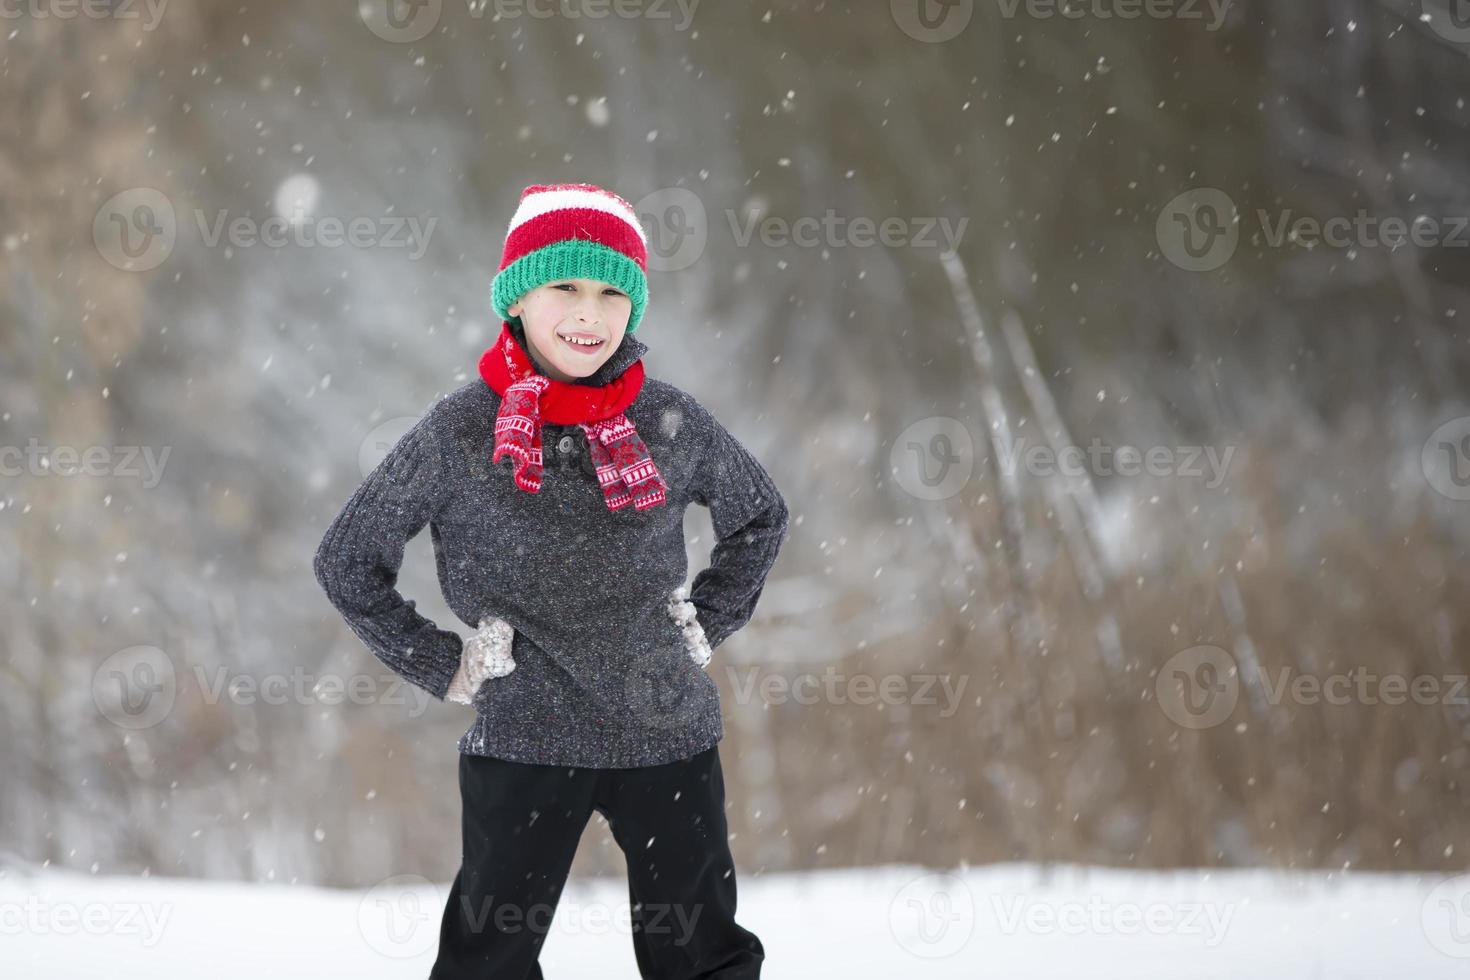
(883, 384)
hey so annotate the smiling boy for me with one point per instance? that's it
(554, 486)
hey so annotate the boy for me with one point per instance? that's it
(586, 672)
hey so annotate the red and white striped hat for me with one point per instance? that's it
(572, 231)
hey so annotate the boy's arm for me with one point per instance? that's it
(750, 520)
(358, 559)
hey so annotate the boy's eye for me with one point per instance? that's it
(569, 285)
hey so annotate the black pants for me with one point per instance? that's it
(521, 826)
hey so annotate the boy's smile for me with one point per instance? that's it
(573, 325)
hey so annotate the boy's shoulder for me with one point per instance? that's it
(662, 394)
(464, 406)
(677, 411)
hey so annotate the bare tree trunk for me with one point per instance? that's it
(1018, 604)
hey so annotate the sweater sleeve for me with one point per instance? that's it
(358, 559)
(750, 521)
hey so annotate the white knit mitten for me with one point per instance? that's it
(486, 654)
(682, 611)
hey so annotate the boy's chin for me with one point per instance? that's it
(582, 367)
(584, 364)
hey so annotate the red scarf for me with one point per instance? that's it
(625, 469)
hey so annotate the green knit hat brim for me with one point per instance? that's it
(571, 259)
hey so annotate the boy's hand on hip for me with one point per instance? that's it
(682, 612)
(486, 654)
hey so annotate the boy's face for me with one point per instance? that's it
(581, 309)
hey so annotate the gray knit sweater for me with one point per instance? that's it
(602, 677)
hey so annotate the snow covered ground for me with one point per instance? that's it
(1009, 922)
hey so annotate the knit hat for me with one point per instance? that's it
(572, 231)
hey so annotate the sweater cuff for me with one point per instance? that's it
(433, 669)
